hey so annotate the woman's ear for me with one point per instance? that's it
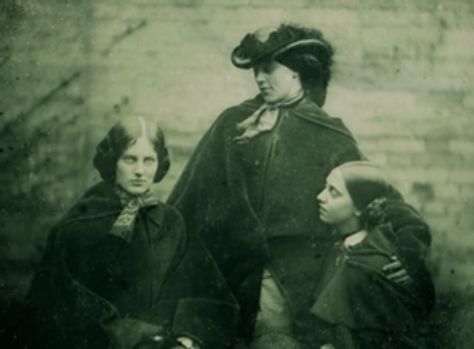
(357, 213)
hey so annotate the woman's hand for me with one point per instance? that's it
(395, 272)
(185, 343)
(153, 342)
(132, 333)
(327, 346)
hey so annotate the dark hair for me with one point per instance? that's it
(370, 190)
(302, 49)
(313, 63)
(121, 136)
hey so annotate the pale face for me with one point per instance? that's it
(276, 81)
(335, 204)
(137, 166)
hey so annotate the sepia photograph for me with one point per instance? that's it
(236, 174)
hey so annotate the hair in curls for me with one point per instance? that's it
(120, 137)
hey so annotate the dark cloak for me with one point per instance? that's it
(357, 306)
(255, 204)
(94, 289)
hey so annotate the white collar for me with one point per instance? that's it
(355, 238)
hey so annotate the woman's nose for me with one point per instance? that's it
(320, 197)
(259, 76)
(139, 170)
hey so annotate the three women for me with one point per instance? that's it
(127, 266)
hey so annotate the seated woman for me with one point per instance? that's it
(356, 305)
(120, 271)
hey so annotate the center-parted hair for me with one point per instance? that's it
(123, 135)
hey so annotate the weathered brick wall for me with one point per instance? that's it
(69, 69)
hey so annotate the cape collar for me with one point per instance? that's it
(102, 201)
(263, 119)
(304, 109)
(354, 238)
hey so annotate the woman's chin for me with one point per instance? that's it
(322, 218)
(327, 220)
(136, 190)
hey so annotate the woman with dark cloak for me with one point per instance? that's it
(248, 189)
(120, 271)
(355, 304)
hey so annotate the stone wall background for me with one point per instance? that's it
(402, 83)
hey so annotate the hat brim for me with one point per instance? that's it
(297, 44)
(242, 61)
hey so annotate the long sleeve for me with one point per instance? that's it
(412, 239)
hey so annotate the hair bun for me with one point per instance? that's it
(376, 212)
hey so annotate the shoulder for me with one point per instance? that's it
(97, 207)
(172, 213)
(168, 223)
(405, 221)
(310, 112)
(98, 201)
(167, 215)
(224, 126)
(240, 111)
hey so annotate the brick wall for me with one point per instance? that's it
(69, 69)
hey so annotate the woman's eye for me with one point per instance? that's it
(128, 159)
(269, 68)
(150, 161)
(334, 193)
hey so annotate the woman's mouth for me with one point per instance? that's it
(137, 182)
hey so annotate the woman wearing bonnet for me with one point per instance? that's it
(356, 305)
(120, 270)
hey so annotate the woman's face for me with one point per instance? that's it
(335, 204)
(137, 166)
(276, 81)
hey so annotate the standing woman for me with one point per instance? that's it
(248, 189)
(356, 305)
(120, 271)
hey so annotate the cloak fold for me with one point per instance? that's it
(357, 306)
(254, 204)
(95, 290)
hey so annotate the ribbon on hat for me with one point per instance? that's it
(263, 119)
(124, 224)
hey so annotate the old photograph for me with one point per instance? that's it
(206, 174)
